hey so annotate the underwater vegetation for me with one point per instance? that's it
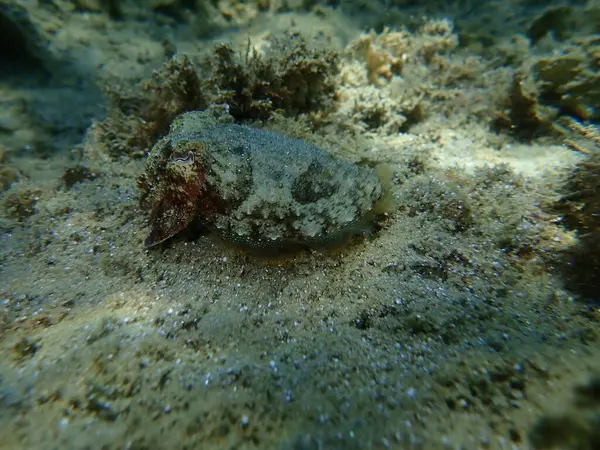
(580, 210)
(292, 79)
(544, 89)
(138, 117)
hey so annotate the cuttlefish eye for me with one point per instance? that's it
(183, 160)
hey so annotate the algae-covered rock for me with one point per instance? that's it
(565, 83)
(20, 204)
(570, 80)
(76, 174)
(255, 189)
(391, 80)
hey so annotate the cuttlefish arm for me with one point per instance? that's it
(177, 199)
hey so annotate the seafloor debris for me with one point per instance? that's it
(20, 204)
(257, 190)
(524, 116)
(76, 174)
(8, 174)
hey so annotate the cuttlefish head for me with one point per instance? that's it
(172, 188)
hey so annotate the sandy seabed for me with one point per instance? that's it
(452, 326)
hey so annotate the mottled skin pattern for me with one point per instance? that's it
(254, 189)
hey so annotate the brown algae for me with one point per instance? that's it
(257, 190)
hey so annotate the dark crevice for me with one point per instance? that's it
(16, 56)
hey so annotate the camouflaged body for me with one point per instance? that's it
(254, 188)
